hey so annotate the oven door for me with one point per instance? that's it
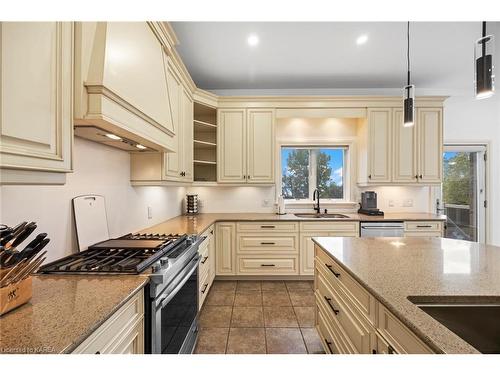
(174, 325)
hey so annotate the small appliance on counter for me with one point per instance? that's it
(16, 265)
(368, 205)
(281, 205)
(191, 204)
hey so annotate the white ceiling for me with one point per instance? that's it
(315, 55)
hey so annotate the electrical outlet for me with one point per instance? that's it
(391, 203)
(150, 212)
(408, 203)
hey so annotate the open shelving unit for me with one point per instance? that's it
(205, 143)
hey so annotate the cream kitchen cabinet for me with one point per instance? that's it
(122, 333)
(430, 145)
(423, 229)
(123, 83)
(225, 253)
(405, 150)
(245, 139)
(36, 117)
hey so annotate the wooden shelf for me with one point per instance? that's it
(205, 162)
(205, 124)
(204, 144)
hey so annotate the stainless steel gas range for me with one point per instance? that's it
(171, 262)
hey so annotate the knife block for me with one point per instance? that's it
(15, 295)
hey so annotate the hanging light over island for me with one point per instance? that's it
(483, 67)
(409, 90)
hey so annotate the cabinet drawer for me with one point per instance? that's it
(328, 339)
(423, 234)
(397, 335)
(357, 334)
(357, 297)
(268, 265)
(112, 331)
(203, 288)
(205, 260)
(423, 226)
(267, 226)
(331, 226)
(271, 244)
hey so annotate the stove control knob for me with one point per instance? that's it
(164, 262)
(156, 267)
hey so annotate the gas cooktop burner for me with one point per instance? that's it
(130, 254)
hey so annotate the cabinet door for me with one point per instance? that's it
(430, 137)
(226, 249)
(231, 143)
(173, 160)
(187, 124)
(379, 144)
(307, 252)
(260, 145)
(405, 150)
(36, 119)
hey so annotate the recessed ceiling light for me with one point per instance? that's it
(140, 147)
(253, 40)
(112, 136)
(362, 39)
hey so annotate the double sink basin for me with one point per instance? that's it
(477, 322)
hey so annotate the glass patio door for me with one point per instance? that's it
(462, 197)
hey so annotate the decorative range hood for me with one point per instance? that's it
(123, 85)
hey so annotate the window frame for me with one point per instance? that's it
(348, 179)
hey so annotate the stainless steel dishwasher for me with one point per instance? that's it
(382, 229)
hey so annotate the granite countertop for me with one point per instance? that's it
(64, 311)
(197, 224)
(431, 269)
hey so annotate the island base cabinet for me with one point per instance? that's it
(122, 333)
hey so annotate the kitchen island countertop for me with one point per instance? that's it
(429, 270)
(64, 311)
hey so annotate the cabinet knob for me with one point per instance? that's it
(416, 177)
(370, 176)
(420, 176)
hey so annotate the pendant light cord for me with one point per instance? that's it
(408, 51)
(484, 41)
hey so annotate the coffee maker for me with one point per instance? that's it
(368, 205)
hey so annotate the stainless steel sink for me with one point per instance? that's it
(323, 216)
(476, 323)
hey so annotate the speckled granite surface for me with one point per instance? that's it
(427, 269)
(64, 311)
(198, 223)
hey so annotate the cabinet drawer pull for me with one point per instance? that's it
(204, 289)
(98, 352)
(329, 345)
(328, 300)
(374, 351)
(424, 226)
(268, 243)
(268, 226)
(330, 267)
(212, 231)
(204, 260)
(391, 350)
(268, 265)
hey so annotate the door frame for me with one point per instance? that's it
(483, 216)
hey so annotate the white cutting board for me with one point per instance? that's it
(90, 220)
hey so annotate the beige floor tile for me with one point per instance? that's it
(279, 316)
(306, 316)
(302, 297)
(275, 298)
(224, 285)
(246, 341)
(212, 341)
(312, 340)
(247, 317)
(220, 298)
(298, 285)
(284, 341)
(248, 298)
(273, 285)
(215, 316)
(245, 285)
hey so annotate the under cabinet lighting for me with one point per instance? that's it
(140, 147)
(253, 40)
(112, 136)
(362, 39)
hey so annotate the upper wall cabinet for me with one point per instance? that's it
(245, 140)
(36, 129)
(393, 154)
(123, 84)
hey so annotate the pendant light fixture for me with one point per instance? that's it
(483, 67)
(409, 90)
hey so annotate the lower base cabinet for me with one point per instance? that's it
(350, 320)
(122, 333)
(206, 269)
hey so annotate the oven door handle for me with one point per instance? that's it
(167, 297)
